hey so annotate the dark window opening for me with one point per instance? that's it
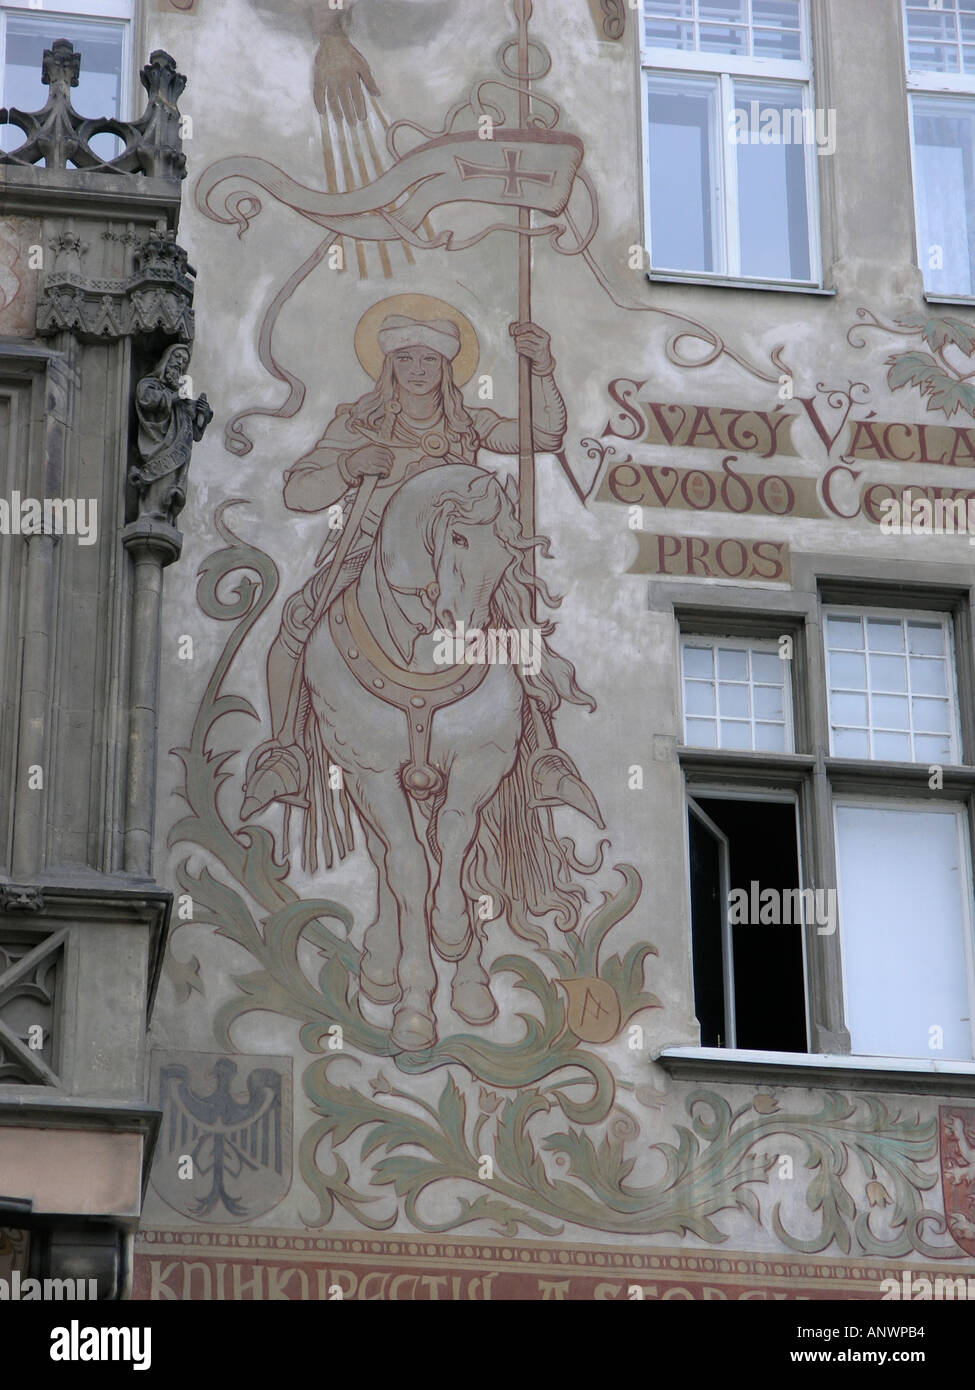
(749, 988)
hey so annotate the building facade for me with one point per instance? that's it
(542, 708)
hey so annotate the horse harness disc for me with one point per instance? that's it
(417, 694)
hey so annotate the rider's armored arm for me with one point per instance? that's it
(319, 480)
(548, 420)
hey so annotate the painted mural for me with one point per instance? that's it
(399, 832)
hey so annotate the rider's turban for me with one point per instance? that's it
(398, 332)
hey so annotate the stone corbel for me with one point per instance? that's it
(156, 297)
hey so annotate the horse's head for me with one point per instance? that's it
(470, 535)
(466, 523)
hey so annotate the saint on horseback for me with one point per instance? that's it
(450, 763)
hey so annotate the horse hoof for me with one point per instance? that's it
(454, 943)
(474, 1003)
(378, 991)
(413, 1031)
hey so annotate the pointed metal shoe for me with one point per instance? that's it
(555, 781)
(274, 773)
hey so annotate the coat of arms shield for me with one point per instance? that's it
(956, 1125)
(224, 1149)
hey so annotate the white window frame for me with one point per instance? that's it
(764, 645)
(111, 11)
(693, 796)
(921, 82)
(967, 885)
(906, 614)
(671, 62)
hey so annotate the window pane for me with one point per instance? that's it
(929, 748)
(850, 709)
(735, 735)
(683, 174)
(851, 743)
(768, 703)
(784, 13)
(931, 716)
(699, 698)
(899, 690)
(933, 34)
(702, 733)
(720, 38)
(770, 738)
(926, 639)
(662, 33)
(99, 89)
(732, 665)
(944, 146)
(724, 700)
(772, 29)
(698, 661)
(888, 673)
(846, 633)
(771, 132)
(884, 635)
(892, 748)
(891, 712)
(848, 671)
(903, 919)
(783, 44)
(734, 11)
(734, 701)
(927, 677)
(767, 667)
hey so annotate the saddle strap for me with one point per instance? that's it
(416, 694)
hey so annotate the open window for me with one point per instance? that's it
(748, 914)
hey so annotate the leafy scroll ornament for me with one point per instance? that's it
(563, 1147)
(945, 375)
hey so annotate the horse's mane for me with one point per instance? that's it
(518, 860)
(484, 503)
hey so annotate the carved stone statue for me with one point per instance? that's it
(169, 425)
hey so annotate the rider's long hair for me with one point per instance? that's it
(372, 412)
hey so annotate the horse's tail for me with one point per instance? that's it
(519, 859)
(327, 818)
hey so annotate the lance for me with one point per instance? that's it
(526, 440)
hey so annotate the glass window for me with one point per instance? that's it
(732, 137)
(98, 33)
(941, 80)
(882, 908)
(905, 927)
(891, 687)
(736, 695)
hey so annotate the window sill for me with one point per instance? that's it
(735, 761)
(917, 1075)
(724, 282)
(949, 299)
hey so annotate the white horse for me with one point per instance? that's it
(425, 747)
